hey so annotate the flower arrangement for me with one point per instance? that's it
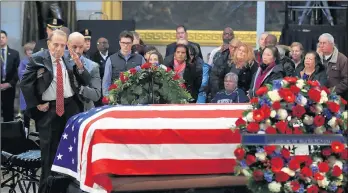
(148, 84)
(293, 106)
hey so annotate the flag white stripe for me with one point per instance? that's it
(164, 123)
(162, 151)
(195, 107)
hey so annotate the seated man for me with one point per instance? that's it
(231, 94)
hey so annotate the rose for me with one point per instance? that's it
(314, 95)
(298, 111)
(266, 111)
(254, 100)
(313, 83)
(297, 130)
(250, 159)
(294, 164)
(323, 167)
(318, 176)
(258, 175)
(182, 85)
(336, 171)
(273, 95)
(132, 71)
(105, 100)
(276, 105)
(261, 156)
(146, 66)
(112, 87)
(240, 122)
(261, 91)
(337, 147)
(282, 114)
(344, 102)
(253, 127)
(176, 76)
(333, 107)
(281, 176)
(239, 153)
(287, 95)
(319, 120)
(345, 115)
(277, 164)
(333, 122)
(291, 80)
(322, 183)
(123, 78)
(338, 163)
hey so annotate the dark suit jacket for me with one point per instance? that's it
(12, 64)
(170, 49)
(38, 77)
(96, 57)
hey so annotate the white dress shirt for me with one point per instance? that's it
(51, 93)
(104, 56)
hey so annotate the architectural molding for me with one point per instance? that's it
(203, 37)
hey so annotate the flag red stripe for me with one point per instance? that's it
(166, 136)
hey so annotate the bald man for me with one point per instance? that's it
(227, 36)
(90, 91)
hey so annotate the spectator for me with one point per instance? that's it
(155, 58)
(297, 52)
(227, 36)
(258, 52)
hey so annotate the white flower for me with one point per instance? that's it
(319, 108)
(316, 160)
(282, 114)
(284, 83)
(261, 156)
(339, 164)
(300, 83)
(274, 95)
(273, 113)
(246, 172)
(345, 115)
(323, 183)
(163, 66)
(340, 177)
(274, 186)
(249, 117)
(111, 98)
(319, 130)
(261, 132)
(288, 171)
(308, 120)
(289, 118)
(332, 123)
(303, 101)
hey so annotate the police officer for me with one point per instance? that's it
(88, 36)
(52, 24)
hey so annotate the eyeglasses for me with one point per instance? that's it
(126, 43)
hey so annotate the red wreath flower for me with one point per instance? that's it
(324, 88)
(253, 127)
(239, 153)
(326, 152)
(258, 175)
(168, 69)
(287, 95)
(319, 120)
(276, 105)
(277, 164)
(262, 90)
(343, 101)
(333, 107)
(254, 100)
(281, 126)
(250, 159)
(146, 65)
(297, 130)
(323, 167)
(281, 176)
(133, 71)
(337, 147)
(294, 164)
(314, 95)
(113, 86)
(339, 190)
(258, 115)
(123, 78)
(313, 189)
(298, 111)
(295, 185)
(176, 76)
(294, 89)
(306, 172)
(291, 80)
(266, 111)
(269, 149)
(313, 83)
(271, 130)
(182, 85)
(318, 176)
(240, 122)
(344, 154)
(285, 153)
(105, 100)
(336, 171)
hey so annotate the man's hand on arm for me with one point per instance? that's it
(5, 86)
(43, 107)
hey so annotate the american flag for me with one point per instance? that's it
(148, 140)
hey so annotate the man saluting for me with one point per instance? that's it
(49, 88)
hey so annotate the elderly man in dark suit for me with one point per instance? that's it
(50, 90)
(9, 60)
(181, 33)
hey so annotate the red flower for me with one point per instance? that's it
(253, 127)
(168, 69)
(298, 111)
(281, 176)
(239, 153)
(326, 152)
(313, 83)
(333, 107)
(176, 76)
(113, 86)
(308, 161)
(105, 100)
(182, 85)
(240, 122)
(336, 171)
(281, 126)
(294, 89)
(323, 167)
(313, 189)
(344, 154)
(297, 130)
(277, 164)
(258, 175)
(262, 90)
(343, 101)
(146, 65)
(133, 70)
(271, 130)
(295, 185)
(285, 153)
(319, 120)
(337, 147)
(269, 149)
(324, 88)
(291, 80)
(287, 95)
(250, 159)
(314, 95)
(306, 172)
(266, 111)
(294, 164)
(258, 115)
(339, 190)
(123, 78)
(318, 176)
(276, 105)
(254, 100)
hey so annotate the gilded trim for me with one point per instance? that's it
(203, 37)
(113, 9)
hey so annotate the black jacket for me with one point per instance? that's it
(96, 57)
(318, 75)
(170, 49)
(12, 64)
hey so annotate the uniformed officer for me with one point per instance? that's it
(52, 24)
(88, 36)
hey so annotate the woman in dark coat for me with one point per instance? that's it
(312, 69)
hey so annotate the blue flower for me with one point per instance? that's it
(138, 68)
(345, 168)
(332, 186)
(298, 98)
(333, 97)
(277, 84)
(268, 176)
(301, 190)
(243, 164)
(276, 153)
(327, 113)
(260, 150)
(315, 169)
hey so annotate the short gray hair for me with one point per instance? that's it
(328, 36)
(57, 32)
(234, 76)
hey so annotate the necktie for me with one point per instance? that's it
(60, 90)
(3, 72)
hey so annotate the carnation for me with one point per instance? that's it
(249, 117)
(332, 123)
(261, 156)
(282, 114)
(274, 186)
(323, 183)
(273, 113)
(308, 120)
(300, 83)
(345, 115)
(274, 95)
(323, 98)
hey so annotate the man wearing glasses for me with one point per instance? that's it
(121, 61)
(52, 24)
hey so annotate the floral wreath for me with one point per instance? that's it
(294, 106)
(148, 84)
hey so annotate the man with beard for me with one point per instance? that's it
(227, 36)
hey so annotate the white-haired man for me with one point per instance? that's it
(336, 65)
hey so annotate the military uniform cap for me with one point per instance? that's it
(55, 23)
(87, 33)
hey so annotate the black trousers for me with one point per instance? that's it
(7, 104)
(51, 128)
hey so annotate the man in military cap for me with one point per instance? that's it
(88, 36)
(52, 24)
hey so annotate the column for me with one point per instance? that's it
(113, 9)
(260, 20)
